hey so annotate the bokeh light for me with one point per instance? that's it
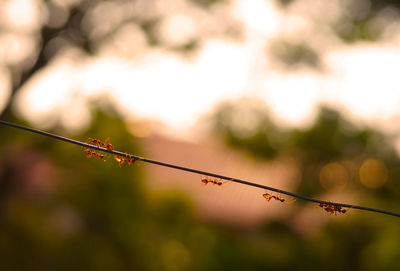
(333, 176)
(373, 173)
(24, 15)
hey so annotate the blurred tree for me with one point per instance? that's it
(92, 26)
(349, 20)
(247, 125)
(293, 54)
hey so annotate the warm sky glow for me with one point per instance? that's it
(23, 14)
(366, 79)
(292, 97)
(163, 86)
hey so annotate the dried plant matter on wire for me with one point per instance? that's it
(99, 148)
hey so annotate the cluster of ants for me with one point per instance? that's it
(277, 197)
(120, 159)
(332, 209)
(99, 143)
(91, 153)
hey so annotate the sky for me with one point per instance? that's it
(361, 79)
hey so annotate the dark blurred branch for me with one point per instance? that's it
(46, 35)
(122, 154)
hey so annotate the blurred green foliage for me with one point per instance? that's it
(255, 132)
(207, 3)
(351, 21)
(293, 54)
(352, 30)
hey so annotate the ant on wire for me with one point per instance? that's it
(130, 160)
(205, 180)
(99, 143)
(120, 160)
(90, 153)
(277, 197)
(332, 209)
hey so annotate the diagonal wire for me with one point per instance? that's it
(147, 160)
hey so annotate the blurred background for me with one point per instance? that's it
(296, 94)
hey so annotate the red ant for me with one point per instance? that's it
(268, 197)
(94, 141)
(90, 153)
(108, 145)
(339, 209)
(120, 160)
(99, 143)
(206, 180)
(332, 209)
(131, 160)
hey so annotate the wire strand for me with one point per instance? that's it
(147, 160)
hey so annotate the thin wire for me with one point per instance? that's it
(76, 142)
